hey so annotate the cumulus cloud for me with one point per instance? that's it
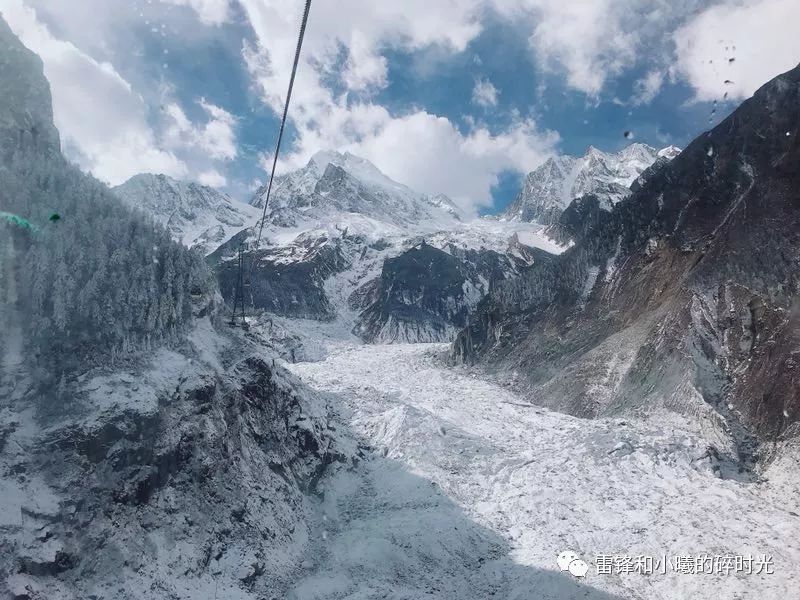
(212, 178)
(586, 39)
(484, 93)
(211, 12)
(102, 120)
(761, 36)
(648, 87)
(425, 151)
(588, 42)
(346, 63)
(216, 138)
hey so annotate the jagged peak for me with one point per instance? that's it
(593, 151)
(637, 148)
(552, 186)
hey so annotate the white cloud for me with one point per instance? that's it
(363, 29)
(764, 34)
(425, 151)
(216, 138)
(590, 42)
(587, 43)
(587, 39)
(648, 87)
(102, 120)
(365, 68)
(211, 12)
(484, 93)
(212, 178)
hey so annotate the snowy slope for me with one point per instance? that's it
(549, 189)
(196, 215)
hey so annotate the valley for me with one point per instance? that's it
(476, 492)
(418, 401)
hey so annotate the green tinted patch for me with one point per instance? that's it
(17, 221)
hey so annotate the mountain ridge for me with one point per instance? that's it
(334, 182)
(669, 303)
(547, 190)
(195, 215)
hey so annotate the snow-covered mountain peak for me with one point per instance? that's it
(593, 152)
(196, 215)
(333, 185)
(638, 152)
(549, 189)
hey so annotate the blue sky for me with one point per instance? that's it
(460, 97)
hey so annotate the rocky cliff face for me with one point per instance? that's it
(683, 298)
(336, 211)
(191, 475)
(547, 191)
(287, 280)
(426, 294)
(329, 227)
(26, 112)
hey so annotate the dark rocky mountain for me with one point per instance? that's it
(683, 298)
(323, 218)
(26, 113)
(287, 280)
(426, 294)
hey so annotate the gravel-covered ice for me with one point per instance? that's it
(471, 493)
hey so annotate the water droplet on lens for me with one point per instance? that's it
(710, 151)
(628, 135)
